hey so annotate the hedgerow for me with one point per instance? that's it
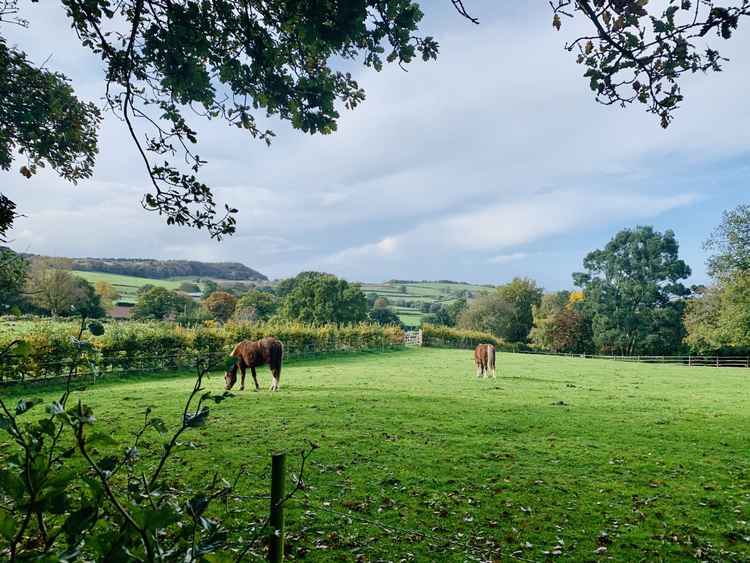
(448, 337)
(160, 345)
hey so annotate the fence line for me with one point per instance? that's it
(683, 360)
(414, 338)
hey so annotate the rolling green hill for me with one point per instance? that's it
(126, 286)
(406, 297)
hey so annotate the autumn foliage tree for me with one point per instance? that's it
(256, 305)
(220, 305)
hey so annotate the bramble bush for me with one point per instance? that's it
(70, 492)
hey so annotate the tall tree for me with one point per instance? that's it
(490, 312)
(634, 294)
(717, 319)
(561, 324)
(13, 271)
(522, 294)
(551, 304)
(318, 298)
(256, 305)
(58, 292)
(229, 59)
(730, 243)
(107, 293)
(634, 52)
(159, 302)
(86, 301)
(50, 289)
(385, 316)
(221, 305)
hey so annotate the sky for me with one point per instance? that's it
(491, 163)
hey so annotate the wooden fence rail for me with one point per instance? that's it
(689, 360)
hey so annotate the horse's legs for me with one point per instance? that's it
(479, 369)
(242, 381)
(255, 378)
(275, 382)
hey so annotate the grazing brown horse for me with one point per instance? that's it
(484, 359)
(252, 354)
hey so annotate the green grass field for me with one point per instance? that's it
(418, 293)
(127, 286)
(582, 460)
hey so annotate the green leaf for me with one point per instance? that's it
(55, 502)
(62, 478)
(46, 426)
(159, 425)
(157, 519)
(11, 485)
(78, 521)
(197, 506)
(55, 409)
(25, 405)
(7, 525)
(197, 419)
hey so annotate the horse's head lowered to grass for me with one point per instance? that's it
(230, 377)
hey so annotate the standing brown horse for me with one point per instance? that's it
(252, 354)
(484, 359)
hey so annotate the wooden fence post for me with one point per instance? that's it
(276, 520)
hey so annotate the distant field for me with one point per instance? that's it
(127, 286)
(419, 293)
(558, 459)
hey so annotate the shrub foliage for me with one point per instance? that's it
(159, 345)
(448, 337)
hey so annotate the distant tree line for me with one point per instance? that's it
(629, 299)
(163, 269)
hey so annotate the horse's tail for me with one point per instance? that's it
(277, 356)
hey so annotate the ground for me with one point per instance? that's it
(566, 458)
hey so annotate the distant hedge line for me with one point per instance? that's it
(152, 345)
(448, 337)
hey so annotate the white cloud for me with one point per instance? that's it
(496, 147)
(503, 225)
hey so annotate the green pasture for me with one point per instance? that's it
(557, 458)
(427, 292)
(127, 286)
